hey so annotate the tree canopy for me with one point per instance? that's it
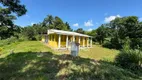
(10, 7)
(56, 22)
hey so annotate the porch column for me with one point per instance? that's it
(79, 41)
(73, 38)
(67, 41)
(91, 42)
(59, 41)
(88, 42)
(83, 41)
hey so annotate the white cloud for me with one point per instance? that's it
(110, 18)
(76, 25)
(90, 29)
(140, 19)
(88, 23)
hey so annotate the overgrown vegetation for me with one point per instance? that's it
(8, 41)
(113, 34)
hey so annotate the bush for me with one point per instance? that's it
(8, 41)
(130, 59)
(136, 43)
(107, 44)
(114, 43)
(38, 37)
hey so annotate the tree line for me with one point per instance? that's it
(111, 35)
(118, 31)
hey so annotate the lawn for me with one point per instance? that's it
(33, 60)
(98, 52)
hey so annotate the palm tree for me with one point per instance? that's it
(48, 21)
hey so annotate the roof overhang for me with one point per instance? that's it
(53, 31)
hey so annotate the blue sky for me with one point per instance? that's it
(87, 14)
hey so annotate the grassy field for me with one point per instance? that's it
(33, 60)
(98, 52)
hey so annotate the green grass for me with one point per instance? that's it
(33, 60)
(98, 52)
(26, 46)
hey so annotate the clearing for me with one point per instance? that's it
(32, 60)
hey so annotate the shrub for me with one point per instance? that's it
(38, 37)
(107, 44)
(8, 41)
(130, 59)
(114, 43)
(136, 43)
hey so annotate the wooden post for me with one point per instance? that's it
(59, 41)
(73, 38)
(88, 42)
(79, 41)
(67, 41)
(83, 41)
(91, 42)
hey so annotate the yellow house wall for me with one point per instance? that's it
(81, 41)
(63, 40)
(53, 40)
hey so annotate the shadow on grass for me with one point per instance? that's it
(48, 66)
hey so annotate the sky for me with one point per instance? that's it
(86, 14)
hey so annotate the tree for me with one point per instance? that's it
(68, 26)
(80, 30)
(48, 22)
(59, 24)
(101, 34)
(126, 27)
(12, 6)
(29, 33)
(7, 17)
(51, 22)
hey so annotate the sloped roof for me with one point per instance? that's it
(52, 31)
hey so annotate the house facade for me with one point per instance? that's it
(58, 39)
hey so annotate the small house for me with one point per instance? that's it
(59, 39)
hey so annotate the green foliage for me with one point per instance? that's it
(122, 28)
(7, 15)
(29, 33)
(8, 41)
(80, 30)
(1, 49)
(38, 37)
(101, 34)
(51, 22)
(35, 31)
(130, 59)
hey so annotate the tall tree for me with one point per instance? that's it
(6, 15)
(127, 27)
(59, 24)
(48, 22)
(80, 30)
(68, 26)
(101, 34)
